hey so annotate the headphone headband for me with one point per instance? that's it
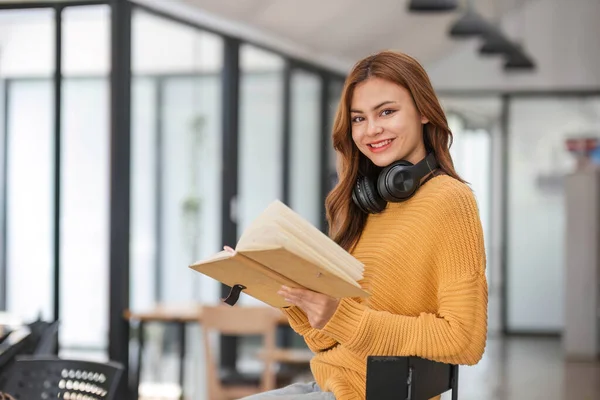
(426, 166)
(395, 183)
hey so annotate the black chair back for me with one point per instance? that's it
(54, 378)
(36, 338)
(48, 342)
(409, 378)
(17, 343)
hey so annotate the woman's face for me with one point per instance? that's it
(386, 125)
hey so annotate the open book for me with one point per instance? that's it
(281, 248)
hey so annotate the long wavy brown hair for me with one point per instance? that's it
(345, 219)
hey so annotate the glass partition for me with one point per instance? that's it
(305, 156)
(26, 70)
(334, 93)
(85, 199)
(175, 187)
(176, 159)
(475, 125)
(260, 173)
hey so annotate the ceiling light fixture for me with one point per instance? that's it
(518, 60)
(433, 5)
(470, 24)
(495, 43)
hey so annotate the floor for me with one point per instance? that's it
(511, 369)
(528, 368)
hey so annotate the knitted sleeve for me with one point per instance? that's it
(456, 333)
(316, 340)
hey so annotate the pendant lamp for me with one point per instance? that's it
(518, 60)
(495, 43)
(433, 5)
(470, 24)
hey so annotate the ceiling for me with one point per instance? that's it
(347, 30)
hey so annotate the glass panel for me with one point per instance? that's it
(176, 171)
(85, 168)
(335, 92)
(30, 198)
(305, 142)
(27, 43)
(85, 214)
(86, 41)
(475, 124)
(26, 68)
(176, 187)
(2, 194)
(143, 251)
(537, 162)
(260, 137)
(191, 186)
(164, 47)
(471, 153)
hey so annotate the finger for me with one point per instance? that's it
(298, 292)
(291, 298)
(229, 249)
(292, 301)
(285, 293)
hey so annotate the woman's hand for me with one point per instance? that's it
(319, 308)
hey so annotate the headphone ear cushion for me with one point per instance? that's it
(366, 197)
(397, 182)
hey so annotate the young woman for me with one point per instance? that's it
(402, 210)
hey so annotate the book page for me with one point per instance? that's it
(221, 255)
(280, 226)
(279, 238)
(305, 273)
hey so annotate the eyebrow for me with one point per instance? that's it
(376, 107)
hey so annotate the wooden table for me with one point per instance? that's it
(176, 314)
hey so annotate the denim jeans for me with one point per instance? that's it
(305, 391)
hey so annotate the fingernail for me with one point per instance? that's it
(284, 287)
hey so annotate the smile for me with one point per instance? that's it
(380, 146)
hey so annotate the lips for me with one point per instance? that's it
(380, 145)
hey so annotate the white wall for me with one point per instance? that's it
(561, 36)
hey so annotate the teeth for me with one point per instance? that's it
(380, 144)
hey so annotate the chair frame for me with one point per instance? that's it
(410, 378)
(239, 321)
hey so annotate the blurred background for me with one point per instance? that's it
(137, 137)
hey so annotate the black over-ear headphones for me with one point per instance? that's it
(395, 183)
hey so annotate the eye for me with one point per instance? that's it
(388, 112)
(357, 119)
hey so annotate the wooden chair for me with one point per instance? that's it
(239, 321)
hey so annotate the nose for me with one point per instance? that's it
(374, 128)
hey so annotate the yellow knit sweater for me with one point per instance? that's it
(425, 269)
